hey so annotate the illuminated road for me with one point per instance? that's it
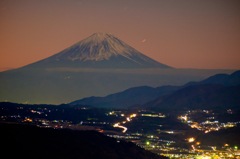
(119, 126)
(128, 120)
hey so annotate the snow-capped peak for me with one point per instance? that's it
(101, 47)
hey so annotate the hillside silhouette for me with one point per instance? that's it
(33, 142)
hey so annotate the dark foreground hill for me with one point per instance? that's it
(24, 141)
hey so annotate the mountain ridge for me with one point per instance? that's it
(131, 96)
(205, 96)
(223, 79)
(153, 96)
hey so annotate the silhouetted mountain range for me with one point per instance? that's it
(223, 79)
(141, 95)
(129, 97)
(207, 96)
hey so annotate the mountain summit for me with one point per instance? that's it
(100, 50)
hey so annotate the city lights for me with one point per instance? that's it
(133, 115)
(155, 142)
(191, 139)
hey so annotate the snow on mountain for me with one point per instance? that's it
(102, 50)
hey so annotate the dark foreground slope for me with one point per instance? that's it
(33, 142)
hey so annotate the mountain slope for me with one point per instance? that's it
(100, 50)
(33, 142)
(143, 94)
(223, 79)
(207, 96)
(129, 97)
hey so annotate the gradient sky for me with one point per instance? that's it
(179, 33)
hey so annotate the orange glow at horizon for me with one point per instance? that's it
(181, 34)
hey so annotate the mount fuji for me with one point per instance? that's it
(99, 65)
(100, 50)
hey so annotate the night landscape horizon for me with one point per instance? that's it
(120, 79)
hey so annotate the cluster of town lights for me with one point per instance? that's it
(191, 139)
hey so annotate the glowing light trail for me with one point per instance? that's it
(128, 119)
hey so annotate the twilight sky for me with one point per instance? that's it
(179, 33)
